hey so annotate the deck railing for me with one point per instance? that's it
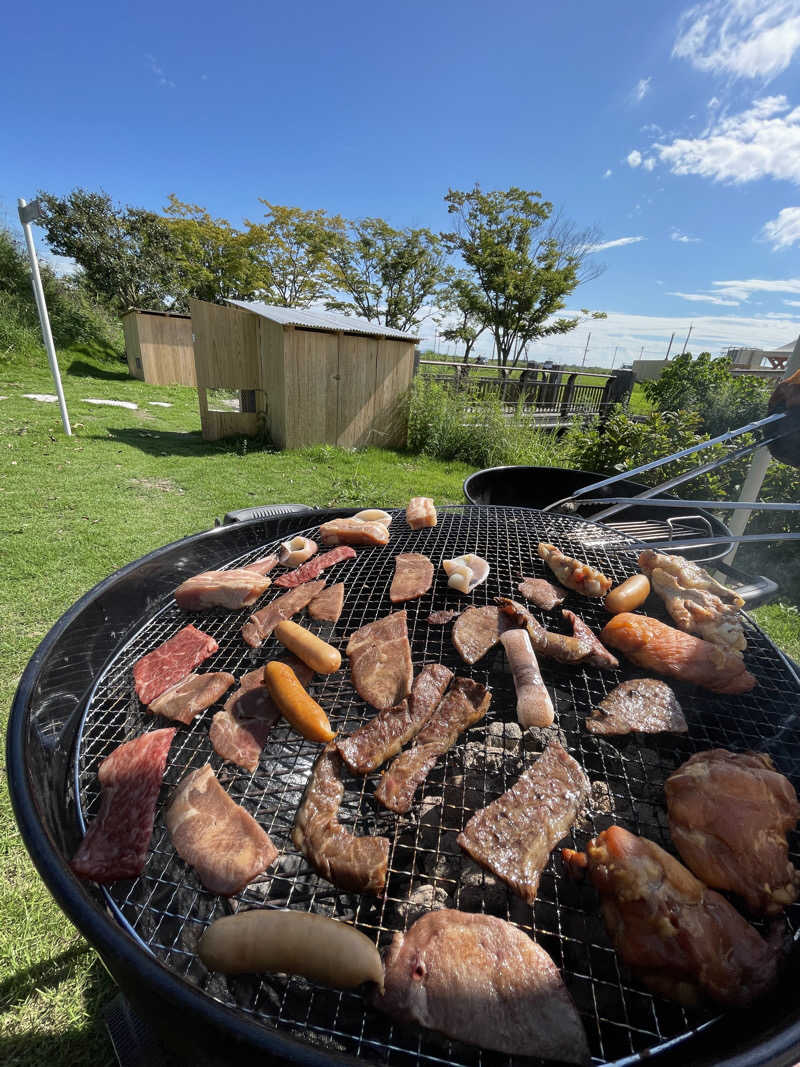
(537, 392)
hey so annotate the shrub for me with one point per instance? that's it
(706, 385)
(474, 429)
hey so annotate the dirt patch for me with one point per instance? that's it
(162, 485)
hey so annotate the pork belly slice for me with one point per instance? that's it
(384, 735)
(349, 862)
(644, 705)
(327, 605)
(380, 661)
(477, 630)
(315, 567)
(218, 838)
(239, 732)
(542, 593)
(413, 576)
(233, 589)
(184, 701)
(465, 704)
(261, 624)
(116, 841)
(729, 813)
(263, 565)
(421, 512)
(353, 532)
(168, 664)
(515, 834)
(478, 979)
(685, 941)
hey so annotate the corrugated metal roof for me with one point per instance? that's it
(321, 320)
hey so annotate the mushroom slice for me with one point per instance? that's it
(298, 550)
(374, 515)
(465, 573)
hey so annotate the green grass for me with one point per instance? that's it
(72, 510)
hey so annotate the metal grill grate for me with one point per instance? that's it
(167, 909)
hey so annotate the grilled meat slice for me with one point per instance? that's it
(684, 940)
(263, 565)
(581, 577)
(477, 630)
(421, 512)
(384, 735)
(116, 841)
(327, 605)
(542, 593)
(350, 862)
(380, 661)
(260, 625)
(479, 979)
(560, 647)
(441, 618)
(515, 834)
(696, 601)
(657, 647)
(413, 576)
(170, 663)
(643, 705)
(233, 589)
(599, 656)
(353, 532)
(315, 567)
(729, 813)
(185, 700)
(222, 841)
(464, 705)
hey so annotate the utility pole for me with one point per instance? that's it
(669, 346)
(29, 213)
(688, 335)
(588, 339)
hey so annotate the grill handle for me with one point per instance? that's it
(754, 590)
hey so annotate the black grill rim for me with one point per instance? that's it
(157, 992)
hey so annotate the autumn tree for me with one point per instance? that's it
(127, 254)
(212, 260)
(521, 261)
(385, 275)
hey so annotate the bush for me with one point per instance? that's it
(706, 385)
(474, 429)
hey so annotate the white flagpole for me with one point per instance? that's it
(29, 213)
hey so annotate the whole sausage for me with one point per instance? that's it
(318, 654)
(628, 596)
(296, 706)
(291, 942)
(534, 706)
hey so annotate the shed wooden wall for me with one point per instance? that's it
(163, 344)
(311, 386)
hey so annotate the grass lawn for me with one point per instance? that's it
(74, 510)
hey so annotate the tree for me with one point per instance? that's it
(522, 263)
(213, 259)
(385, 275)
(127, 254)
(459, 320)
(290, 253)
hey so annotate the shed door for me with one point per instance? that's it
(358, 357)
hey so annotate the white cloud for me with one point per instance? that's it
(684, 238)
(705, 298)
(651, 127)
(741, 290)
(713, 103)
(62, 266)
(745, 38)
(783, 231)
(608, 173)
(649, 163)
(157, 69)
(793, 303)
(760, 142)
(634, 158)
(618, 243)
(641, 89)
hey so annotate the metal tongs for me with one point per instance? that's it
(786, 399)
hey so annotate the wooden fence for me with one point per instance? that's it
(555, 396)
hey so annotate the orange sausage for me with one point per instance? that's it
(318, 654)
(631, 594)
(296, 706)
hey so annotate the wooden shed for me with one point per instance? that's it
(304, 377)
(159, 348)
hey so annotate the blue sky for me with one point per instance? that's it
(676, 127)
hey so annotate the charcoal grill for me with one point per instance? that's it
(76, 702)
